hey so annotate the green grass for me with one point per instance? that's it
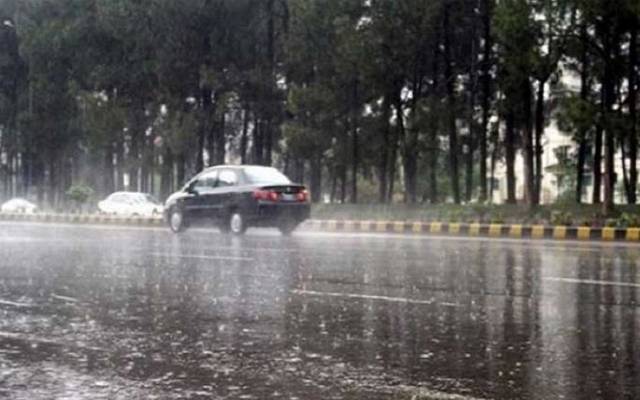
(586, 215)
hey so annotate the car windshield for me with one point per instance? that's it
(266, 175)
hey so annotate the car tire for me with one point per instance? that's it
(287, 227)
(237, 224)
(177, 223)
(224, 226)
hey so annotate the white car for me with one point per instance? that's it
(18, 205)
(131, 204)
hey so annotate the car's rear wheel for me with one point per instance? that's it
(177, 222)
(287, 227)
(237, 223)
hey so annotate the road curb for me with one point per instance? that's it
(83, 219)
(512, 231)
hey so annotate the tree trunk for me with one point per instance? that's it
(271, 64)
(434, 119)
(486, 96)
(395, 142)
(383, 164)
(608, 88)
(582, 156)
(244, 138)
(120, 164)
(299, 170)
(343, 184)
(108, 172)
(510, 155)
(53, 182)
(152, 168)
(538, 140)
(633, 133)
(529, 179)
(136, 133)
(166, 174)
(494, 156)
(316, 178)
(597, 164)
(205, 129)
(354, 132)
(625, 174)
(221, 142)
(451, 107)
(469, 170)
(267, 157)
(257, 141)
(334, 185)
(146, 161)
(180, 168)
(609, 172)
(585, 88)
(472, 89)
(411, 167)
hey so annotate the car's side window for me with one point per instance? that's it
(227, 178)
(206, 181)
(128, 199)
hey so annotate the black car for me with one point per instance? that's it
(237, 197)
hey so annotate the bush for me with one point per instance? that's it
(627, 220)
(561, 218)
(79, 195)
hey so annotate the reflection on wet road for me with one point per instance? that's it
(142, 314)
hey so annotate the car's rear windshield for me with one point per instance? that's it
(262, 175)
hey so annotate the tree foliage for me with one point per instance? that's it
(363, 100)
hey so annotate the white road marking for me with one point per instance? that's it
(39, 340)
(424, 393)
(592, 282)
(203, 257)
(64, 298)
(361, 296)
(14, 304)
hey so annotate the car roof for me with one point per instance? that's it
(243, 166)
(17, 199)
(122, 192)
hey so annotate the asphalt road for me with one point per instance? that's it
(115, 313)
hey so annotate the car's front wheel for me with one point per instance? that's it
(237, 223)
(177, 222)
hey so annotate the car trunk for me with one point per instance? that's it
(287, 193)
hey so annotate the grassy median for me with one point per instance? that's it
(577, 215)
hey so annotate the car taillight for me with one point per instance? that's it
(302, 196)
(268, 195)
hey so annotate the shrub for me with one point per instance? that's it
(79, 194)
(627, 220)
(561, 218)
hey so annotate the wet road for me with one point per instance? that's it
(89, 313)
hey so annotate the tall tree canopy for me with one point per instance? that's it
(363, 100)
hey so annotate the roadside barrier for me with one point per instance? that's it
(513, 231)
(88, 219)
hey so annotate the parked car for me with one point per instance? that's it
(238, 197)
(131, 204)
(18, 205)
